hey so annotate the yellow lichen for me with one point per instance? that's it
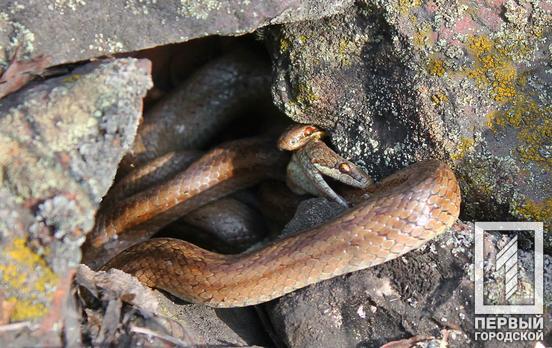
(72, 78)
(343, 50)
(422, 37)
(492, 69)
(535, 128)
(538, 211)
(491, 119)
(406, 5)
(535, 138)
(480, 44)
(26, 275)
(26, 309)
(464, 146)
(436, 67)
(284, 45)
(306, 94)
(343, 44)
(439, 99)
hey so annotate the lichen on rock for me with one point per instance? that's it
(399, 81)
(60, 143)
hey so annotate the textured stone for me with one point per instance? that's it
(73, 30)
(60, 143)
(218, 326)
(395, 82)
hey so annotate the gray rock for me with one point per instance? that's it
(312, 212)
(397, 82)
(74, 30)
(341, 73)
(234, 327)
(60, 144)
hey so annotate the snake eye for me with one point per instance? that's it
(308, 131)
(344, 168)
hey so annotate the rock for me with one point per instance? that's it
(57, 30)
(150, 316)
(341, 73)
(426, 293)
(397, 82)
(312, 212)
(17, 74)
(235, 327)
(60, 143)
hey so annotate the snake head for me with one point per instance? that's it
(346, 172)
(297, 136)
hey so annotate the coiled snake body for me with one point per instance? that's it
(401, 213)
(404, 211)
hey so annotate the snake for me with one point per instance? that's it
(219, 172)
(207, 102)
(398, 214)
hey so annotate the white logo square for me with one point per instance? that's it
(506, 261)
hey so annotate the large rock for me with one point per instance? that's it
(74, 30)
(396, 82)
(60, 144)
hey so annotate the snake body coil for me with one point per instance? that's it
(403, 212)
(229, 167)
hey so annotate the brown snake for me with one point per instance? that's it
(221, 171)
(403, 211)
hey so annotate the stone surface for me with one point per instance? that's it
(395, 82)
(235, 327)
(74, 30)
(427, 293)
(60, 143)
(151, 317)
